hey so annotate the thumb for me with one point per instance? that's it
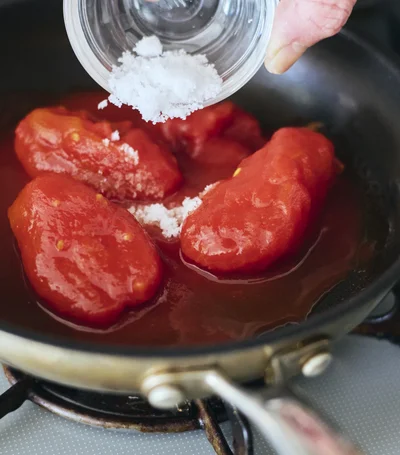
(299, 24)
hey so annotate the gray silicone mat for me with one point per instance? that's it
(361, 392)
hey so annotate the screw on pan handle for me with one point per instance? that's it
(289, 425)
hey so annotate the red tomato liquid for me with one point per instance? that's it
(195, 308)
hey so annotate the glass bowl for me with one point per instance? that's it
(233, 34)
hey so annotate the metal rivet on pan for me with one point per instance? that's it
(165, 396)
(317, 364)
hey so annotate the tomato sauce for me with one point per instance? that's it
(194, 307)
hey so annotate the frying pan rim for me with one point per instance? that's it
(385, 281)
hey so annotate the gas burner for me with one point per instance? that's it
(128, 412)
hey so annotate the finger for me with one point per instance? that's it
(300, 24)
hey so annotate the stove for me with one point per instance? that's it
(352, 393)
(127, 412)
(361, 393)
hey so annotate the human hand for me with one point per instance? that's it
(300, 24)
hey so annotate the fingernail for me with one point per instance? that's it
(284, 58)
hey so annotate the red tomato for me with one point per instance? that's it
(225, 122)
(245, 130)
(220, 151)
(199, 126)
(260, 214)
(86, 257)
(56, 140)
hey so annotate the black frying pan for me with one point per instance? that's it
(345, 83)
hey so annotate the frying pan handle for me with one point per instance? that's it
(287, 423)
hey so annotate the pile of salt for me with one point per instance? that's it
(162, 85)
(169, 220)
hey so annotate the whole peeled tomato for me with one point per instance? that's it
(259, 215)
(222, 134)
(86, 257)
(117, 159)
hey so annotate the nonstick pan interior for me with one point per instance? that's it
(343, 83)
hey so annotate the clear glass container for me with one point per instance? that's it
(233, 34)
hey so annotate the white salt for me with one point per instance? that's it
(159, 215)
(114, 100)
(162, 85)
(208, 188)
(168, 220)
(115, 135)
(131, 153)
(102, 105)
(149, 46)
